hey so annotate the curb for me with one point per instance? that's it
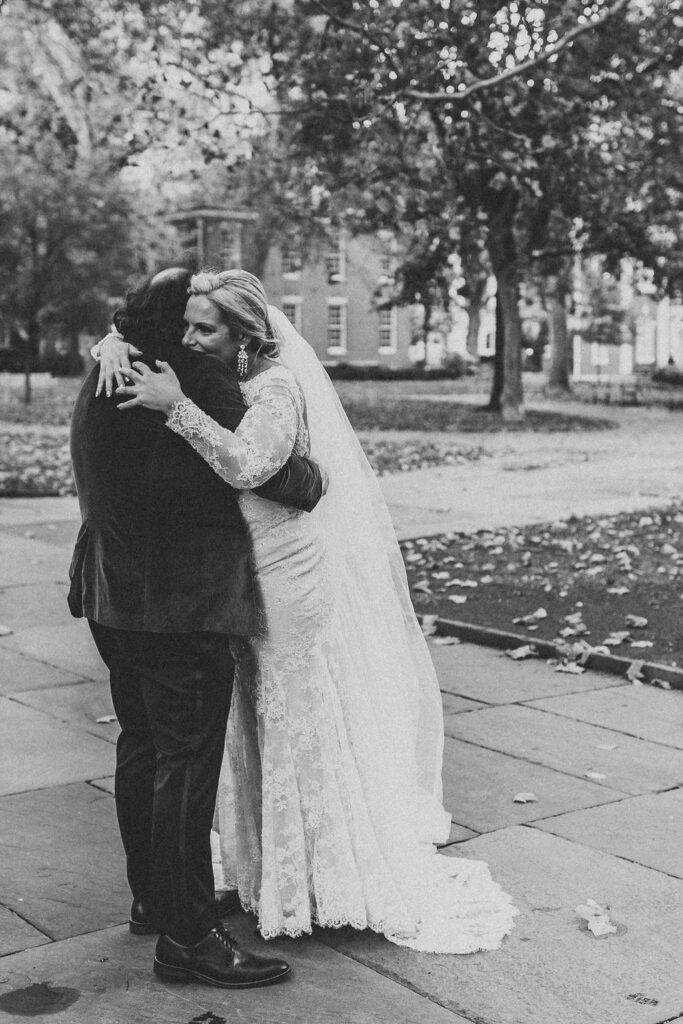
(652, 673)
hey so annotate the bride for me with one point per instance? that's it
(330, 802)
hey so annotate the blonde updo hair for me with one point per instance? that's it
(242, 301)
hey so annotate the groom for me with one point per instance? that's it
(161, 571)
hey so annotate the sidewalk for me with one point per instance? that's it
(604, 760)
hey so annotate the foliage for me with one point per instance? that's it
(493, 578)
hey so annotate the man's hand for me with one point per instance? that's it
(114, 355)
(158, 391)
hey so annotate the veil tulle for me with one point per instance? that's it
(371, 589)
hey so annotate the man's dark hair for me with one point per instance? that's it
(152, 318)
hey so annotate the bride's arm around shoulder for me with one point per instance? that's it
(264, 440)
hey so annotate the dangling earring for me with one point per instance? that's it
(242, 363)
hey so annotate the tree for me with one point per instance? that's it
(66, 240)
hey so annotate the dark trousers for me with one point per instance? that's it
(171, 693)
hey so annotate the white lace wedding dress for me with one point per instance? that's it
(327, 814)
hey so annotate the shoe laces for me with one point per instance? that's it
(226, 938)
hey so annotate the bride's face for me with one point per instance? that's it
(206, 331)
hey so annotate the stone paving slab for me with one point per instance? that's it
(69, 647)
(634, 766)
(479, 786)
(28, 561)
(459, 834)
(18, 511)
(453, 705)
(16, 934)
(80, 705)
(644, 711)
(106, 784)
(39, 604)
(62, 864)
(19, 672)
(36, 751)
(548, 970)
(61, 533)
(107, 976)
(646, 829)
(486, 674)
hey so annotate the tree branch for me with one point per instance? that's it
(518, 69)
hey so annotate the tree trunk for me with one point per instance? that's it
(477, 289)
(559, 371)
(503, 253)
(512, 398)
(498, 358)
(31, 350)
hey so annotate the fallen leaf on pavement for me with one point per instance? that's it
(570, 667)
(5, 631)
(445, 641)
(597, 776)
(106, 719)
(525, 651)
(525, 798)
(595, 918)
(634, 673)
(428, 624)
(607, 746)
(664, 684)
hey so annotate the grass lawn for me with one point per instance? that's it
(36, 461)
(588, 574)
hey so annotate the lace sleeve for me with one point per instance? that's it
(262, 443)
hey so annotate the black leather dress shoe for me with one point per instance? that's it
(216, 960)
(142, 922)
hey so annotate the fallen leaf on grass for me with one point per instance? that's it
(619, 591)
(641, 643)
(525, 651)
(636, 621)
(536, 616)
(457, 598)
(617, 638)
(525, 798)
(106, 719)
(423, 587)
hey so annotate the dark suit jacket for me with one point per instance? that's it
(163, 546)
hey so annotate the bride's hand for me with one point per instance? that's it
(151, 390)
(114, 356)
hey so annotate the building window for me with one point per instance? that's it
(388, 330)
(336, 326)
(335, 259)
(292, 261)
(291, 307)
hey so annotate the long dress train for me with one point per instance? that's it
(324, 816)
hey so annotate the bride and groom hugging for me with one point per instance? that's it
(215, 565)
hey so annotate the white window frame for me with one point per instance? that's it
(297, 302)
(338, 255)
(342, 305)
(231, 243)
(392, 347)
